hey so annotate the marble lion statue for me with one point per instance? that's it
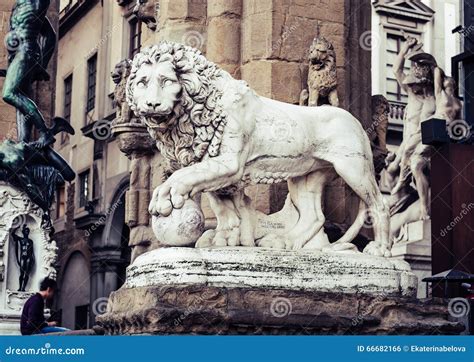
(322, 75)
(219, 136)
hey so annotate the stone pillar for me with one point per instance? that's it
(183, 21)
(136, 143)
(223, 34)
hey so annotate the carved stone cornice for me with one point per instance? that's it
(134, 138)
(409, 9)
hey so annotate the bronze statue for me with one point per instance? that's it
(30, 44)
(36, 168)
(25, 255)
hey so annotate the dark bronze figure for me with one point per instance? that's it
(32, 165)
(30, 44)
(25, 255)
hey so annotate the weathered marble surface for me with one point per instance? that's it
(216, 310)
(219, 136)
(266, 268)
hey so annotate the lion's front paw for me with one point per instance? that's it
(167, 197)
(375, 248)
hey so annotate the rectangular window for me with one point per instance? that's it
(83, 188)
(394, 91)
(60, 201)
(91, 82)
(135, 36)
(67, 104)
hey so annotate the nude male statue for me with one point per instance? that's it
(448, 107)
(24, 255)
(30, 43)
(413, 156)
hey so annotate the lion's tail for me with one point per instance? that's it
(354, 229)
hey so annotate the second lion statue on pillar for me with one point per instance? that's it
(219, 136)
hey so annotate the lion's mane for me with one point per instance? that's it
(197, 122)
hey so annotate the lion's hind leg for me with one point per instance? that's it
(357, 172)
(306, 193)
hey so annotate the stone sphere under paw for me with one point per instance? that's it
(182, 227)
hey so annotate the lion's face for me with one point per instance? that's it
(121, 70)
(320, 53)
(156, 91)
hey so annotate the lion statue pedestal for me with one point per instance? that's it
(239, 290)
(255, 273)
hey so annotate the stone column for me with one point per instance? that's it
(183, 21)
(223, 34)
(136, 143)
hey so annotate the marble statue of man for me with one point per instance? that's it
(448, 107)
(413, 156)
(24, 255)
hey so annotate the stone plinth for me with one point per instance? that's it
(266, 268)
(262, 291)
(414, 247)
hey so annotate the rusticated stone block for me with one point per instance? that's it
(332, 10)
(286, 81)
(274, 79)
(189, 33)
(258, 75)
(256, 6)
(184, 9)
(224, 7)
(223, 45)
(292, 37)
(257, 36)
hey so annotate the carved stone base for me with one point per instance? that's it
(414, 247)
(219, 310)
(262, 291)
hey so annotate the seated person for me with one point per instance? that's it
(32, 317)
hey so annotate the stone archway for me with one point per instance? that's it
(112, 255)
(75, 289)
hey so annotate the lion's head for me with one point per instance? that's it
(321, 52)
(146, 11)
(121, 71)
(171, 88)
